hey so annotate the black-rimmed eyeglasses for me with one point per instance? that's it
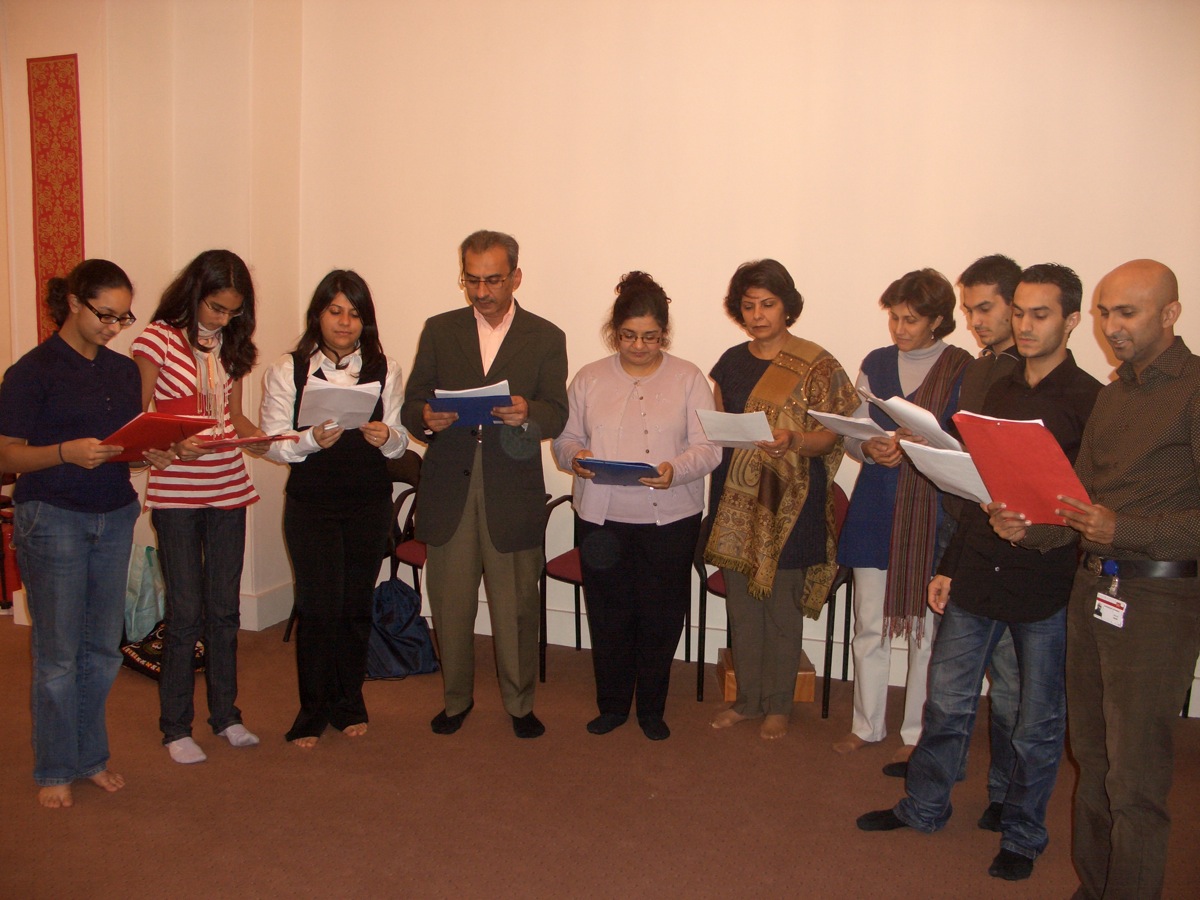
(109, 319)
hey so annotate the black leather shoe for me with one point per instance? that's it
(655, 729)
(444, 724)
(990, 820)
(605, 722)
(879, 820)
(896, 770)
(528, 726)
(1011, 866)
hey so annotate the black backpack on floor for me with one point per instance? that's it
(400, 643)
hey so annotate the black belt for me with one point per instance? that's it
(1141, 568)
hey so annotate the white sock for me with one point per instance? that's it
(186, 751)
(238, 736)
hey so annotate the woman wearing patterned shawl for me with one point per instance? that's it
(772, 529)
(889, 535)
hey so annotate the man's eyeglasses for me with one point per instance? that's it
(218, 310)
(109, 319)
(473, 281)
(650, 340)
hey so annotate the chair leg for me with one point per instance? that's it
(700, 643)
(542, 632)
(287, 632)
(687, 634)
(846, 631)
(416, 579)
(578, 623)
(830, 614)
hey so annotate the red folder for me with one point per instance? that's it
(154, 431)
(1021, 464)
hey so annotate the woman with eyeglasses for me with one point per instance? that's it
(74, 518)
(637, 541)
(773, 532)
(339, 500)
(193, 356)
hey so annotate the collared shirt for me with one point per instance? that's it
(279, 402)
(491, 338)
(991, 577)
(1140, 457)
(980, 374)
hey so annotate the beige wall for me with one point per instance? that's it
(852, 139)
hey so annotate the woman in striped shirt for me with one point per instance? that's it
(192, 358)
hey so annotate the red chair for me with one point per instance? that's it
(715, 584)
(567, 568)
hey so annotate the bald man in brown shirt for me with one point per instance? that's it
(1133, 626)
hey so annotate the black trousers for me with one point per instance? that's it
(336, 553)
(637, 579)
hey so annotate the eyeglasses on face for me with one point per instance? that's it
(650, 339)
(109, 319)
(218, 310)
(492, 281)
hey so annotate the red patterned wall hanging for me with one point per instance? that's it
(57, 174)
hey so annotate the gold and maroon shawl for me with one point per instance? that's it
(763, 496)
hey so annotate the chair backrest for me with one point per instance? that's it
(405, 470)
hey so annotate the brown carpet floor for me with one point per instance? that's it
(402, 812)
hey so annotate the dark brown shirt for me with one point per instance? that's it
(1140, 457)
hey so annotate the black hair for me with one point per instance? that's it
(638, 295)
(210, 273)
(769, 275)
(997, 270)
(85, 282)
(349, 284)
(1069, 286)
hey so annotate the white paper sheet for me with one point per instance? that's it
(915, 418)
(350, 406)
(735, 429)
(849, 426)
(951, 470)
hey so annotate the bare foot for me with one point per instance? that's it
(773, 727)
(358, 729)
(903, 753)
(305, 743)
(726, 718)
(56, 796)
(110, 781)
(850, 743)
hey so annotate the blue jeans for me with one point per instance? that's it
(961, 653)
(201, 551)
(75, 566)
(1004, 697)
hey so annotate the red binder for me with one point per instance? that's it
(154, 431)
(1022, 465)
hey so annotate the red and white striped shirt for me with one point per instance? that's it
(218, 479)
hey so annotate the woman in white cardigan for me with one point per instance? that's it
(637, 541)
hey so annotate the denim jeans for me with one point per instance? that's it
(961, 653)
(1004, 697)
(75, 566)
(201, 551)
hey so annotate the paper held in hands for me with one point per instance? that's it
(849, 426)
(916, 419)
(739, 430)
(1022, 465)
(474, 405)
(951, 470)
(349, 406)
(154, 431)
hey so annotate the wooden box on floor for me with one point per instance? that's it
(806, 678)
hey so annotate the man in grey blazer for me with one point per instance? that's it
(481, 505)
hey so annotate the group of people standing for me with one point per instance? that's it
(770, 526)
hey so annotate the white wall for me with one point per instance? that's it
(852, 139)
